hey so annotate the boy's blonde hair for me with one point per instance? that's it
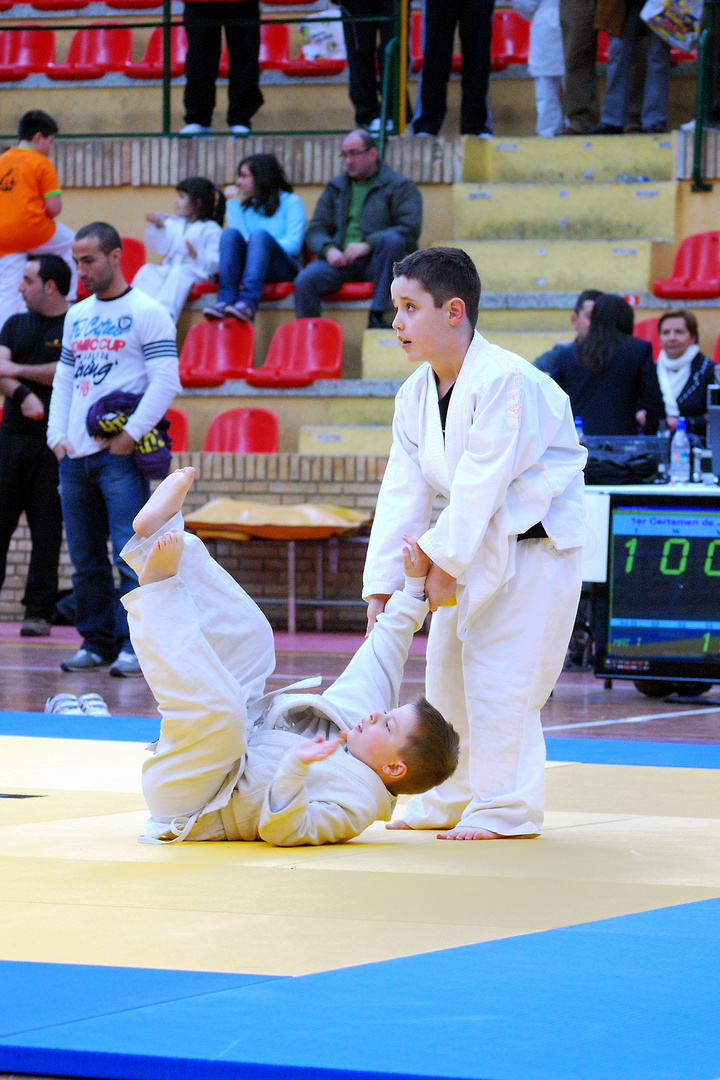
(430, 751)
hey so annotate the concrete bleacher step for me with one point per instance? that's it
(344, 440)
(599, 159)
(573, 211)
(382, 357)
(558, 265)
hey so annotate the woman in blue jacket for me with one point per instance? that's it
(266, 225)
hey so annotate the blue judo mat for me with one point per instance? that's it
(631, 998)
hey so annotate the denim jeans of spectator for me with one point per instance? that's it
(657, 75)
(247, 264)
(100, 495)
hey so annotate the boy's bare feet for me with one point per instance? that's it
(467, 832)
(165, 501)
(398, 825)
(164, 558)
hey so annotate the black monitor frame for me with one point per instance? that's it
(681, 558)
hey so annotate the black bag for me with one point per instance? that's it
(626, 459)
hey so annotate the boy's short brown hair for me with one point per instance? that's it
(444, 272)
(430, 752)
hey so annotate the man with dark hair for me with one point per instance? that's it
(29, 351)
(30, 201)
(496, 438)
(118, 339)
(580, 322)
(365, 219)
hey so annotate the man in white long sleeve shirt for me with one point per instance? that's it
(481, 427)
(118, 339)
(235, 763)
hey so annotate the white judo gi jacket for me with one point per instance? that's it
(170, 243)
(510, 459)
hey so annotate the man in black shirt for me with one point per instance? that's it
(29, 352)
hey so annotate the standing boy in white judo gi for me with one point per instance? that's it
(495, 437)
(234, 763)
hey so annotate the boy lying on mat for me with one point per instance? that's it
(235, 763)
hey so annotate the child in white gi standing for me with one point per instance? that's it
(546, 63)
(235, 763)
(497, 439)
(189, 244)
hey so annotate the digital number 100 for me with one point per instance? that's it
(674, 558)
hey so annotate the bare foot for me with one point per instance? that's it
(164, 558)
(466, 832)
(165, 501)
(398, 825)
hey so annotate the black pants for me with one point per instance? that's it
(203, 60)
(366, 55)
(440, 18)
(29, 482)
(318, 278)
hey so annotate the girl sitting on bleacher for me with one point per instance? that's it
(189, 244)
(263, 242)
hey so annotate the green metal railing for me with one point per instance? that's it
(707, 98)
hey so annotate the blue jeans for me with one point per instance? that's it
(100, 495)
(251, 263)
(657, 75)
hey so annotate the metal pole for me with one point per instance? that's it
(402, 78)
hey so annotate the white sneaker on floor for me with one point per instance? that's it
(239, 129)
(126, 665)
(65, 704)
(195, 129)
(93, 705)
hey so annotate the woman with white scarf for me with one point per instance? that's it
(684, 373)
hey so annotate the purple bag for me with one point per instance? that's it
(110, 414)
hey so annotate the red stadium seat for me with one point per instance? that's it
(273, 290)
(93, 53)
(5, 5)
(300, 352)
(647, 329)
(274, 45)
(243, 431)
(510, 39)
(214, 352)
(603, 48)
(23, 52)
(696, 270)
(178, 430)
(351, 292)
(131, 259)
(133, 5)
(677, 56)
(59, 5)
(151, 65)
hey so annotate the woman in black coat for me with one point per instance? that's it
(684, 373)
(610, 376)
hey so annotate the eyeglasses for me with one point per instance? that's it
(352, 153)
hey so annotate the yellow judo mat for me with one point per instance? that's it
(77, 888)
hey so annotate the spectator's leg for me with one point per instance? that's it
(12, 493)
(360, 47)
(548, 89)
(476, 18)
(579, 50)
(657, 84)
(265, 261)
(389, 247)
(11, 272)
(86, 529)
(44, 516)
(233, 251)
(203, 59)
(125, 491)
(243, 42)
(619, 67)
(312, 283)
(439, 20)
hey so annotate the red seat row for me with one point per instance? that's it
(235, 431)
(100, 50)
(301, 351)
(696, 270)
(350, 292)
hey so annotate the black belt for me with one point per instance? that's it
(537, 532)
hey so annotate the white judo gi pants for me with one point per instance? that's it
(12, 267)
(548, 103)
(169, 285)
(206, 650)
(492, 686)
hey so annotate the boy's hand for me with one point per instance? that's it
(318, 749)
(439, 586)
(191, 249)
(156, 219)
(376, 605)
(415, 562)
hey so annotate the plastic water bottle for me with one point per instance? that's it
(580, 430)
(680, 454)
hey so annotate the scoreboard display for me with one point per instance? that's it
(658, 616)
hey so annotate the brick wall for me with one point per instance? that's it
(261, 565)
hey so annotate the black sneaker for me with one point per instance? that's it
(35, 627)
(84, 660)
